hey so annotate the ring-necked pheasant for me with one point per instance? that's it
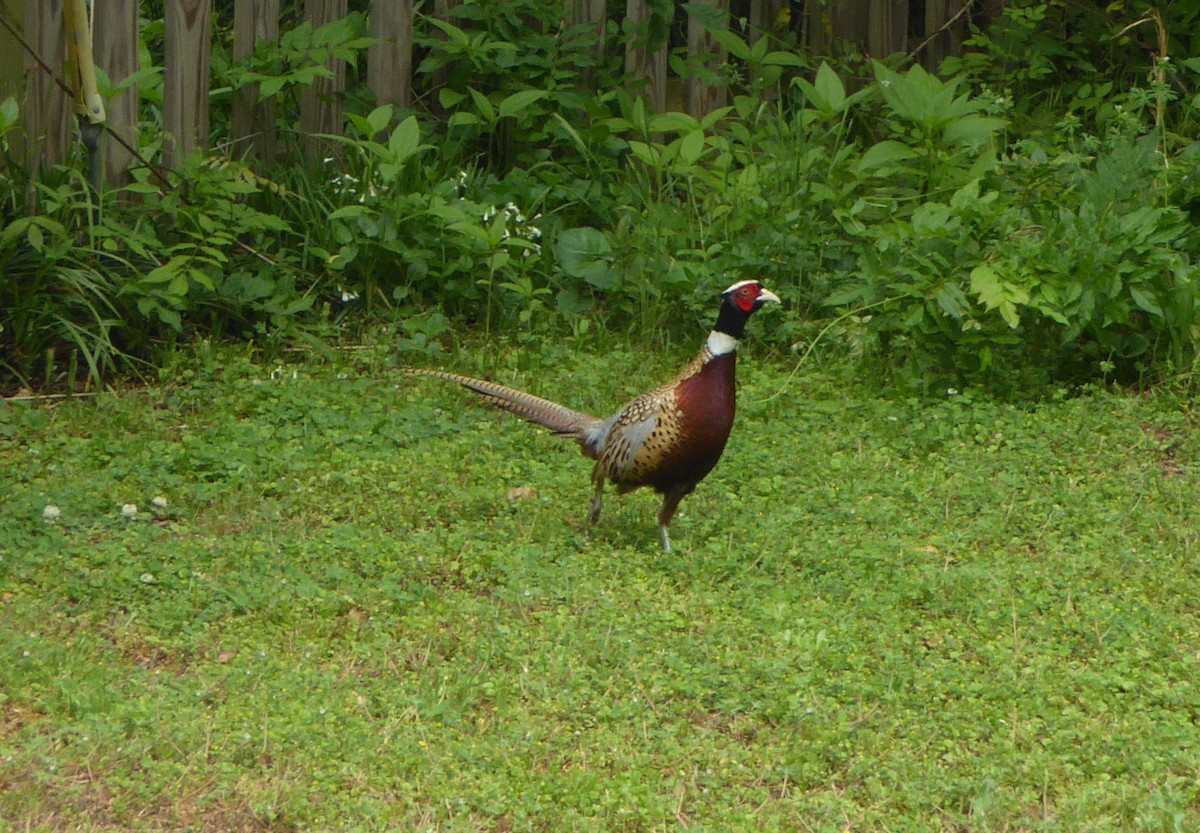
(668, 438)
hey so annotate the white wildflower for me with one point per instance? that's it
(159, 502)
(129, 510)
(147, 578)
(51, 513)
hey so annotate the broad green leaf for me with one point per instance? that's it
(519, 101)
(463, 118)
(691, 147)
(347, 211)
(270, 87)
(672, 122)
(885, 153)
(998, 295)
(379, 118)
(167, 271)
(972, 130)
(784, 59)
(361, 124)
(449, 98)
(405, 139)
(649, 154)
(829, 88)
(732, 42)
(486, 111)
(577, 250)
(457, 36)
(1145, 300)
(8, 113)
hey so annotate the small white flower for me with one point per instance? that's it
(146, 578)
(347, 295)
(129, 510)
(51, 513)
(951, 392)
(159, 502)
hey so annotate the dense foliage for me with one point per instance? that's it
(1022, 216)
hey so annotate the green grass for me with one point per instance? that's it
(881, 615)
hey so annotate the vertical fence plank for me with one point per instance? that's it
(887, 28)
(849, 20)
(253, 121)
(441, 10)
(321, 103)
(945, 31)
(12, 55)
(763, 17)
(185, 77)
(593, 13)
(116, 50)
(47, 109)
(647, 70)
(389, 62)
(702, 96)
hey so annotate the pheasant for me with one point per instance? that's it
(668, 438)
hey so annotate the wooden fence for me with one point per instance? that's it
(878, 28)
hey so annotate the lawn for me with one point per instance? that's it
(364, 603)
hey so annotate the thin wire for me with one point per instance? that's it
(812, 344)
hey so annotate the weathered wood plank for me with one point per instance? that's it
(389, 62)
(703, 49)
(253, 121)
(887, 28)
(47, 109)
(441, 10)
(116, 50)
(849, 20)
(646, 68)
(321, 103)
(763, 17)
(945, 30)
(185, 78)
(12, 55)
(593, 13)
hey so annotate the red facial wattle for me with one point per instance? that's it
(745, 298)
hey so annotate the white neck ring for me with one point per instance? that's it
(720, 343)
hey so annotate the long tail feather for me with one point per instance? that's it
(559, 419)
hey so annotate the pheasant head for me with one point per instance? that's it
(738, 303)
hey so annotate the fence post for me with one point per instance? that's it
(321, 102)
(185, 78)
(116, 50)
(938, 14)
(589, 13)
(703, 97)
(253, 121)
(647, 70)
(47, 109)
(13, 59)
(389, 62)
(441, 11)
(887, 28)
(763, 17)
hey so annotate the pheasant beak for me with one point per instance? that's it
(766, 296)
